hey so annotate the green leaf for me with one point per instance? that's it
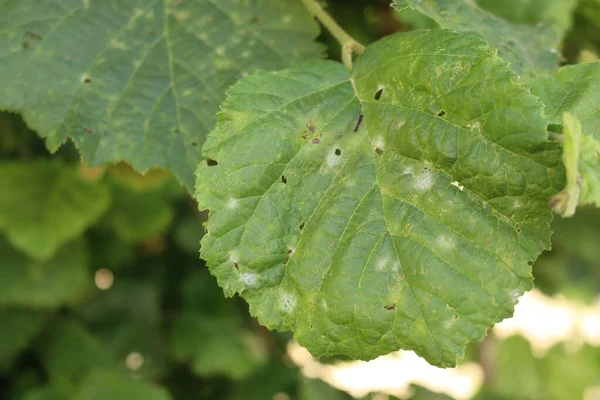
(140, 81)
(217, 346)
(102, 385)
(127, 319)
(316, 389)
(49, 392)
(554, 13)
(411, 227)
(17, 328)
(275, 378)
(572, 99)
(559, 374)
(517, 370)
(138, 216)
(129, 178)
(44, 204)
(574, 89)
(530, 50)
(69, 352)
(188, 234)
(581, 156)
(61, 280)
(572, 268)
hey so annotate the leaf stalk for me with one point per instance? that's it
(349, 44)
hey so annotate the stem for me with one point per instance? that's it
(349, 45)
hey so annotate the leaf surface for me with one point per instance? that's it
(529, 49)
(399, 207)
(572, 99)
(555, 13)
(574, 89)
(140, 80)
(44, 204)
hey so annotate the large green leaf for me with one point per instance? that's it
(529, 49)
(556, 13)
(140, 80)
(44, 204)
(397, 208)
(28, 283)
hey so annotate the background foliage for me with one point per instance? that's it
(102, 294)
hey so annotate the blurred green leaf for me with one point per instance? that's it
(44, 204)
(558, 375)
(105, 385)
(63, 279)
(217, 345)
(274, 378)
(127, 320)
(517, 371)
(70, 351)
(316, 389)
(188, 234)
(138, 216)
(17, 328)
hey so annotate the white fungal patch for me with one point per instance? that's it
(286, 19)
(517, 204)
(287, 302)
(324, 305)
(553, 50)
(514, 296)
(220, 51)
(396, 266)
(475, 127)
(445, 242)
(400, 124)
(458, 185)
(424, 181)
(138, 12)
(378, 143)
(382, 264)
(249, 279)
(245, 54)
(233, 256)
(408, 171)
(85, 4)
(333, 160)
(232, 203)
